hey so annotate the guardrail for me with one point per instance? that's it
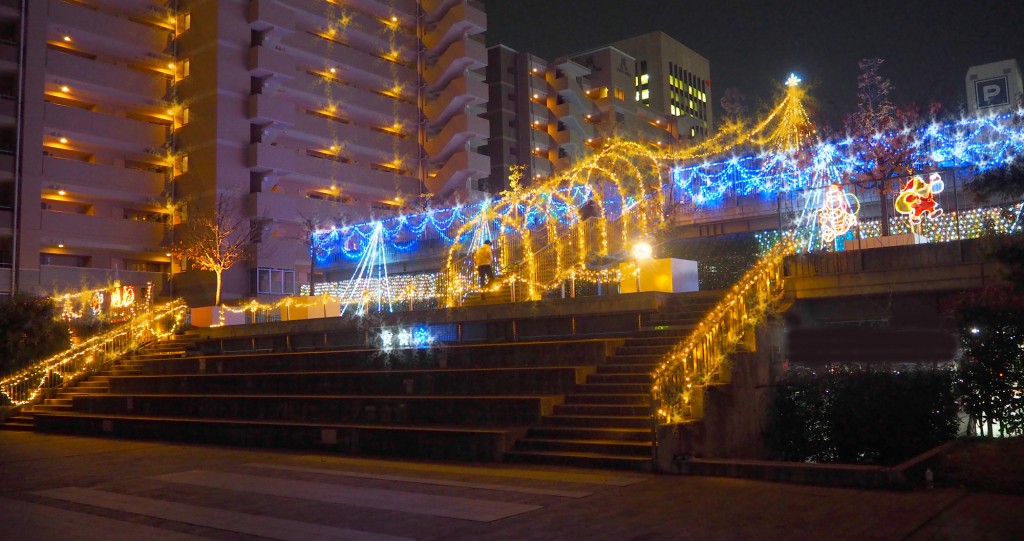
(699, 359)
(29, 383)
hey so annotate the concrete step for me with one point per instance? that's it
(609, 399)
(669, 333)
(626, 351)
(591, 433)
(636, 358)
(408, 441)
(124, 372)
(599, 421)
(643, 378)
(51, 407)
(650, 341)
(93, 383)
(402, 409)
(486, 381)
(614, 388)
(581, 460)
(626, 368)
(602, 447)
(22, 421)
(603, 409)
(572, 352)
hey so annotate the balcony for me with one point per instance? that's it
(357, 179)
(8, 56)
(461, 167)
(82, 230)
(56, 278)
(458, 94)
(110, 33)
(359, 141)
(87, 127)
(270, 17)
(8, 111)
(270, 62)
(116, 78)
(459, 20)
(264, 158)
(318, 52)
(462, 55)
(103, 181)
(455, 134)
(434, 8)
(264, 108)
(366, 28)
(359, 103)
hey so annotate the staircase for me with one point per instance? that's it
(607, 421)
(24, 419)
(502, 295)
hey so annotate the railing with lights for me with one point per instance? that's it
(30, 383)
(700, 358)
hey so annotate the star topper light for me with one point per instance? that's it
(793, 80)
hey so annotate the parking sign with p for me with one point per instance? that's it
(991, 92)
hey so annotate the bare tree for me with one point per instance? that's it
(883, 142)
(216, 241)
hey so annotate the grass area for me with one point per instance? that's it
(984, 464)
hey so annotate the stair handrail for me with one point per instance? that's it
(30, 383)
(699, 358)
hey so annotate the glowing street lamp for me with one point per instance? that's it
(641, 250)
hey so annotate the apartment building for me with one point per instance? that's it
(544, 113)
(136, 115)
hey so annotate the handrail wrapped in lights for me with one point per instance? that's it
(699, 359)
(27, 384)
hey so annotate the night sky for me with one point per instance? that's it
(753, 45)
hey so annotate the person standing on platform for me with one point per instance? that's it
(484, 259)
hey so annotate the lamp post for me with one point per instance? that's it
(641, 250)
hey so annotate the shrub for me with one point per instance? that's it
(861, 416)
(30, 331)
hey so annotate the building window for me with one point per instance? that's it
(275, 281)
(185, 68)
(619, 94)
(184, 115)
(183, 164)
(184, 22)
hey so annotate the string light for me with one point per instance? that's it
(25, 385)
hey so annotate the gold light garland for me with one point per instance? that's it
(76, 360)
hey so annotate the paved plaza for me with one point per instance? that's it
(71, 488)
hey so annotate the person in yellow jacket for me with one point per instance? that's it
(484, 260)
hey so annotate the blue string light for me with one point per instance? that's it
(978, 144)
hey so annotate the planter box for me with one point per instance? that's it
(310, 308)
(215, 316)
(665, 275)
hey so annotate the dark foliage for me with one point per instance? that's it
(1001, 183)
(721, 261)
(856, 416)
(991, 363)
(29, 331)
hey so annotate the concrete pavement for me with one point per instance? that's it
(71, 488)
